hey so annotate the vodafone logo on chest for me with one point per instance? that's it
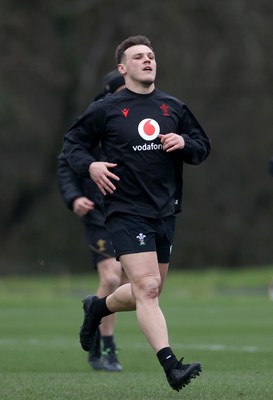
(148, 129)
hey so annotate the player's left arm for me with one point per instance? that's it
(197, 144)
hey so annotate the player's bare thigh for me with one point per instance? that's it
(144, 266)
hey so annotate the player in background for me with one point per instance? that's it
(83, 197)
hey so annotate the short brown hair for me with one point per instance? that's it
(129, 42)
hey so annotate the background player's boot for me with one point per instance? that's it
(109, 361)
(94, 356)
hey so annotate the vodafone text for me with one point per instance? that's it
(148, 146)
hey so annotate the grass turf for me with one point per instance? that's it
(221, 318)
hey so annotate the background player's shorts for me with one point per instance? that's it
(135, 234)
(99, 241)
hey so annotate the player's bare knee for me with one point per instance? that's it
(152, 292)
(151, 288)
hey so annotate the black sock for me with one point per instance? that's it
(108, 343)
(167, 359)
(100, 308)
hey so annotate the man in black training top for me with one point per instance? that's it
(83, 196)
(146, 136)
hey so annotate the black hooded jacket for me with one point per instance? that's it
(72, 186)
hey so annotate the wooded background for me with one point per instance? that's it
(216, 56)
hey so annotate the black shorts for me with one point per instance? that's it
(99, 242)
(134, 234)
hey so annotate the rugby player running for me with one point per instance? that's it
(146, 136)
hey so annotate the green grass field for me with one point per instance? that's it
(224, 319)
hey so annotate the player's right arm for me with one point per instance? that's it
(83, 137)
(99, 172)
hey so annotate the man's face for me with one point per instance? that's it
(139, 64)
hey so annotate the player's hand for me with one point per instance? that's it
(100, 174)
(171, 142)
(82, 205)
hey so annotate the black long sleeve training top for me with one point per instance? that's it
(73, 186)
(127, 125)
